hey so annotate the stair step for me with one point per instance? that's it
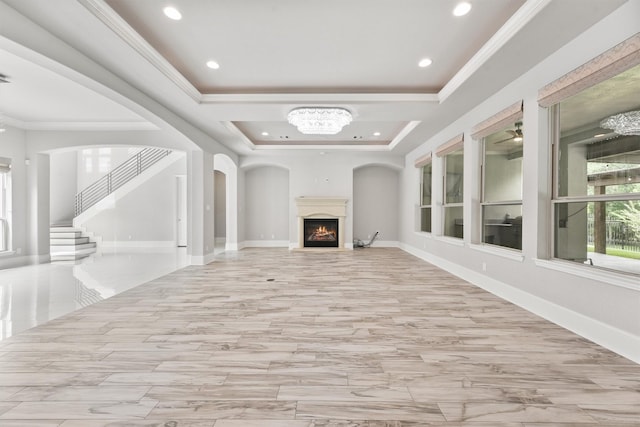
(67, 257)
(69, 241)
(57, 228)
(72, 249)
(65, 235)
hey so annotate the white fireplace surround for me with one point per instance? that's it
(321, 207)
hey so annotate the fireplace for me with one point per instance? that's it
(321, 233)
(327, 212)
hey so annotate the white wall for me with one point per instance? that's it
(267, 204)
(316, 174)
(144, 217)
(375, 203)
(13, 146)
(63, 184)
(96, 162)
(601, 306)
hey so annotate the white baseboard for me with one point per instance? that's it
(614, 339)
(265, 244)
(11, 260)
(202, 259)
(107, 244)
(385, 244)
(40, 259)
(231, 247)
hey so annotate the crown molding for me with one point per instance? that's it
(119, 26)
(337, 147)
(403, 133)
(79, 126)
(238, 133)
(510, 28)
(316, 98)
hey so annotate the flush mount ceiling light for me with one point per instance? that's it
(624, 123)
(172, 13)
(213, 65)
(319, 120)
(462, 8)
(425, 62)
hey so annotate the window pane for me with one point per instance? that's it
(503, 165)
(604, 234)
(502, 225)
(453, 221)
(426, 185)
(596, 157)
(454, 168)
(425, 220)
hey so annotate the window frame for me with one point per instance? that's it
(422, 207)
(557, 199)
(483, 203)
(445, 204)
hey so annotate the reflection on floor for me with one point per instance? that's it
(32, 295)
(279, 338)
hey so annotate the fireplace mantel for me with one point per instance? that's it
(321, 207)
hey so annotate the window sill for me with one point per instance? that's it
(426, 234)
(450, 240)
(498, 251)
(610, 277)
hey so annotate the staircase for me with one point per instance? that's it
(69, 244)
(118, 177)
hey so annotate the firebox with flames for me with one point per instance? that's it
(322, 234)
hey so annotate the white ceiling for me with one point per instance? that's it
(277, 55)
(37, 98)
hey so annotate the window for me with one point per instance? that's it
(425, 198)
(597, 174)
(502, 187)
(453, 193)
(5, 205)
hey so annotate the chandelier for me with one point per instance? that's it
(624, 123)
(319, 120)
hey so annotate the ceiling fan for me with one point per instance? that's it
(516, 134)
(3, 78)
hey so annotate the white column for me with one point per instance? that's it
(201, 237)
(38, 205)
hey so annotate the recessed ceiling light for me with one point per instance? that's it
(424, 63)
(462, 8)
(172, 13)
(213, 65)
(376, 134)
(265, 133)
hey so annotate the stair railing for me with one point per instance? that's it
(119, 176)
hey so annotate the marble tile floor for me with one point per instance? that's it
(34, 294)
(273, 338)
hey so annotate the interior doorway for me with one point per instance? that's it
(220, 210)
